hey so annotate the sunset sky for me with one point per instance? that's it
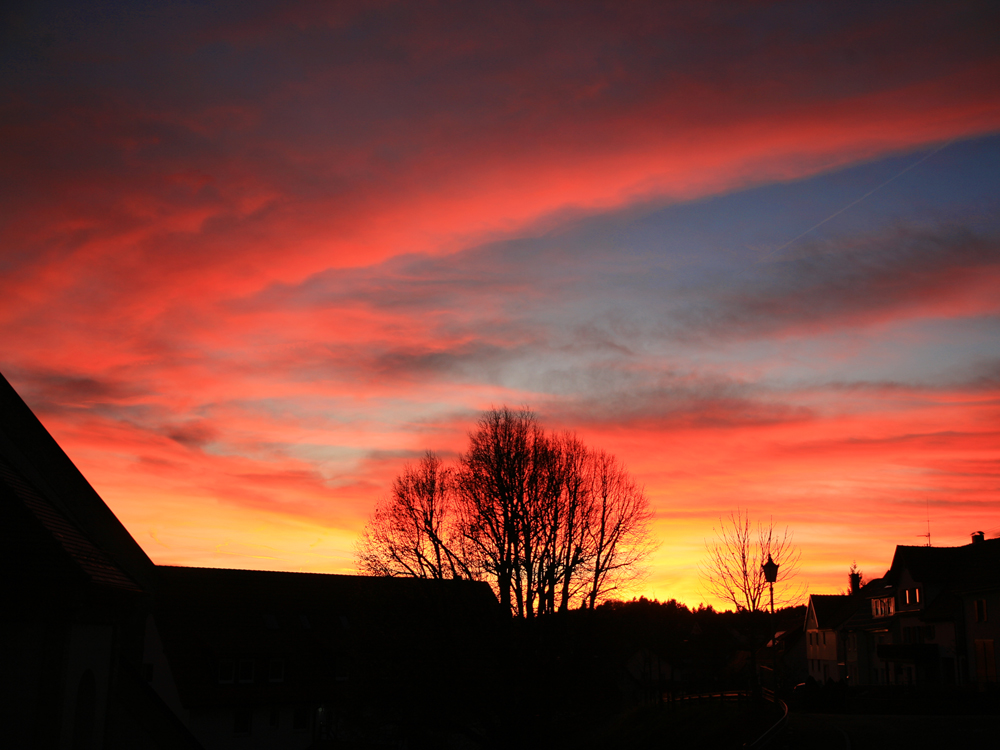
(255, 257)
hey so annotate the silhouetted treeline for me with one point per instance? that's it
(571, 675)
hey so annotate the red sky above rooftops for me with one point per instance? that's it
(255, 257)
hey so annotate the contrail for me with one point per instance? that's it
(919, 161)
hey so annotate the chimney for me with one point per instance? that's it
(855, 582)
(977, 536)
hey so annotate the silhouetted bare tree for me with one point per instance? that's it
(498, 484)
(617, 528)
(733, 570)
(413, 533)
(548, 522)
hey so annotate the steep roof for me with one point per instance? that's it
(982, 567)
(828, 611)
(37, 476)
(926, 564)
(968, 567)
(67, 553)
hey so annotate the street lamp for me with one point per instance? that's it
(770, 569)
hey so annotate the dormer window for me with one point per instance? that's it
(883, 607)
(912, 596)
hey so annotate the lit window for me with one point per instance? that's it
(883, 607)
(980, 610)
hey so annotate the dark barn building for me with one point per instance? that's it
(104, 649)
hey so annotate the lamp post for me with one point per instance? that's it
(770, 569)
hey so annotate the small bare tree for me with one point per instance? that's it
(733, 571)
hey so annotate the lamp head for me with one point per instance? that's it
(770, 570)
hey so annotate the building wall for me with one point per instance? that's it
(267, 728)
(982, 617)
(85, 688)
(821, 655)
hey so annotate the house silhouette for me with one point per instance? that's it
(932, 619)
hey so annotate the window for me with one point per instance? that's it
(276, 670)
(929, 633)
(227, 670)
(883, 607)
(824, 637)
(275, 722)
(242, 721)
(980, 610)
(986, 662)
(340, 671)
(246, 670)
(912, 596)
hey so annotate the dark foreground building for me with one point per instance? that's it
(103, 649)
(280, 660)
